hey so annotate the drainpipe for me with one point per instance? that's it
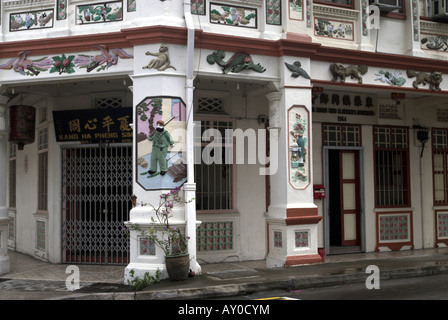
(190, 186)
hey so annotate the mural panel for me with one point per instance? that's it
(31, 20)
(298, 128)
(160, 143)
(233, 16)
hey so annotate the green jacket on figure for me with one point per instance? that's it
(161, 140)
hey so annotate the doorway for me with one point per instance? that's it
(343, 205)
(96, 201)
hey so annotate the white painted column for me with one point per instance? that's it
(4, 219)
(413, 25)
(292, 215)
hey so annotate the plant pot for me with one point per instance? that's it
(178, 266)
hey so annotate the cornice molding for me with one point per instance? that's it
(433, 27)
(334, 12)
(257, 3)
(27, 4)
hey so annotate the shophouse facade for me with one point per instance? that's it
(337, 110)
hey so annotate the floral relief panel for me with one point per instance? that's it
(99, 12)
(298, 147)
(233, 16)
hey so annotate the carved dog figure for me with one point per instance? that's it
(162, 61)
(434, 79)
(339, 71)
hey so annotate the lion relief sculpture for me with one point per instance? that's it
(339, 71)
(434, 79)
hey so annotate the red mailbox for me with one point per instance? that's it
(319, 191)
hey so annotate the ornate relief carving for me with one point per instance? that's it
(334, 12)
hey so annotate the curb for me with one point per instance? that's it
(230, 290)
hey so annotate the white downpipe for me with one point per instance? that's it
(190, 186)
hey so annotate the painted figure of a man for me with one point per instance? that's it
(161, 140)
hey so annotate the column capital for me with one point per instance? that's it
(274, 96)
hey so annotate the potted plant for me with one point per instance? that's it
(168, 237)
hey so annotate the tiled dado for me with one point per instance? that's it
(214, 236)
(394, 230)
(301, 239)
(442, 226)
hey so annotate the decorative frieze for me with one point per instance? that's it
(335, 12)
(27, 4)
(29, 67)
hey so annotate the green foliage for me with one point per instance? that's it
(63, 64)
(170, 239)
(147, 280)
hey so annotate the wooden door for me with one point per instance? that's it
(349, 189)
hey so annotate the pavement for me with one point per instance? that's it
(32, 279)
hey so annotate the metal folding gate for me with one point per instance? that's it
(96, 200)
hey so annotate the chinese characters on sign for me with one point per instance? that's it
(93, 125)
(343, 107)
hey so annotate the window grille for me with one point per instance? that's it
(108, 102)
(439, 167)
(40, 235)
(391, 166)
(215, 181)
(341, 135)
(209, 105)
(43, 169)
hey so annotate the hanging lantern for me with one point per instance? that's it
(22, 123)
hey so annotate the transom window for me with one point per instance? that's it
(341, 135)
(391, 146)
